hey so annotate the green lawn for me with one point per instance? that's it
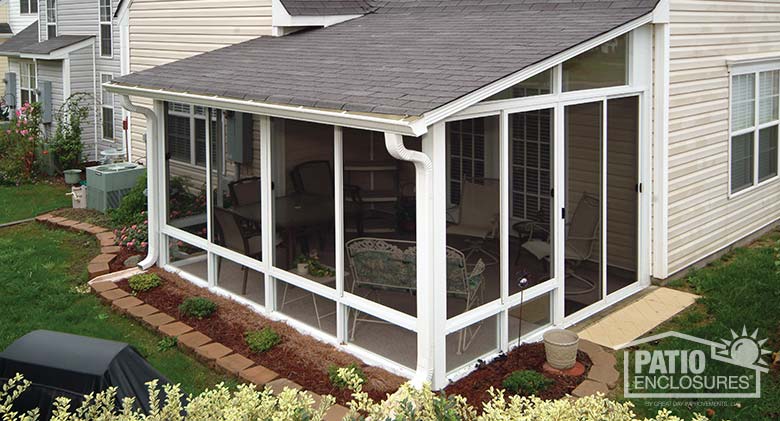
(742, 289)
(29, 200)
(43, 275)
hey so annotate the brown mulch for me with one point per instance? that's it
(474, 387)
(118, 262)
(298, 357)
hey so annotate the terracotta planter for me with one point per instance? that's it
(560, 347)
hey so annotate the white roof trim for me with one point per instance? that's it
(441, 113)
(280, 18)
(403, 125)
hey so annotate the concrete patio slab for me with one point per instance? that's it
(637, 317)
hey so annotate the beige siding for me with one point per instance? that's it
(162, 31)
(705, 34)
(3, 19)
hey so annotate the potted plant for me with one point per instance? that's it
(302, 263)
(560, 348)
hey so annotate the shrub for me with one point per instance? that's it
(528, 381)
(66, 143)
(135, 237)
(198, 307)
(245, 403)
(132, 208)
(19, 140)
(262, 340)
(340, 380)
(144, 281)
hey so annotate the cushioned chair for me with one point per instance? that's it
(245, 191)
(236, 234)
(479, 203)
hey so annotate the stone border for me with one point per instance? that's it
(108, 248)
(201, 346)
(602, 376)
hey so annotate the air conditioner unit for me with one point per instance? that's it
(108, 184)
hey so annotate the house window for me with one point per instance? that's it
(186, 133)
(531, 147)
(540, 84)
(28, 6)
(467, 154)
(28, 83)
(106, 29)
(107, 107)
(755, 118)
(51, 18)
(599, 67)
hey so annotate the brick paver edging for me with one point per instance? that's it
(602, 376)
(201, 346)
(108, 250)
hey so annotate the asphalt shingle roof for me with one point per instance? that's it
(406, 58)
(5, 29)
(26, 42)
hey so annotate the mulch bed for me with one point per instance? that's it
(298, 357)
(118, 262)
(474, 387)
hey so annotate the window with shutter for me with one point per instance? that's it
(186, 133)
(467, 154)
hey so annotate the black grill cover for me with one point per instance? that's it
(61, 364)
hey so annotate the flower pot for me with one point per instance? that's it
(303, 268)
(560, 347)
(72, 176)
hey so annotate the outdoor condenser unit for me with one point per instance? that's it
(107, 184)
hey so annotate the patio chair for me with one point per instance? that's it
(478, 217)
(580, 240)
(391, 265)
(234, 233)
(245, 191)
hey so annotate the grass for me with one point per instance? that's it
(741, 289)
(43, 276)
(29, 200)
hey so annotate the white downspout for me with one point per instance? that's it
(151, 182)
(424, 187)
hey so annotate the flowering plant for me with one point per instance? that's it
(135, 237)
(19, 141)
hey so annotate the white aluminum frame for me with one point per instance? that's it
(110, 24)
(103, 106)
(432, 196)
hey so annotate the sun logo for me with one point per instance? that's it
(745, 350)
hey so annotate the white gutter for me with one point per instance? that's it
(423, 184)
(403, 125)
(151, 182)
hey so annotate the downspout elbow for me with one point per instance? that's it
(394, 144)
(153, 252)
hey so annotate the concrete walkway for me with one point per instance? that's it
(636, 317)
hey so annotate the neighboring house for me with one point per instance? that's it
(433, 153)
(64, 47)
(5, 33)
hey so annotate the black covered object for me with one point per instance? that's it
(61, 364)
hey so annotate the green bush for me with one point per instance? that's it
(132, 208)
(262, 340)
(336, 379)
(244, 402)
(144, 282)
(198, 307)
(527, 381)
(66, 142)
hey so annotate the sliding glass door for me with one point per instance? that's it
(601, 200)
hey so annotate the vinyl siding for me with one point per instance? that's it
(17, 20)
(51, 70)
(166, 31)
(3, 19)
(81, 80)
(704, 35)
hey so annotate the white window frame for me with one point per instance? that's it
(754, 67)
(30, 4)
(51, 17)
(102, 23)
(193, 116)
(104, 106)
(30, 75)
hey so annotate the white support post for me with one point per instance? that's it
(425, 276)
(157, 186)
(559, 202)
(211, 262)
(269, 232)
(338, 212)
(504, 182)
(435, 145)
(660, 211)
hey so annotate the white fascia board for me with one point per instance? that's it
(280, 18)
(403, 125)
(661, 13)
(474, 97)
(61, 53)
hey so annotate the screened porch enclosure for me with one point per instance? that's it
(535, 204)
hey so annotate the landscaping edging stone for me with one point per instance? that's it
(100, 264)
(602, 376)
(200, 345)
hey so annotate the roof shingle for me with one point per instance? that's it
(403, 60)
(26, 42)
